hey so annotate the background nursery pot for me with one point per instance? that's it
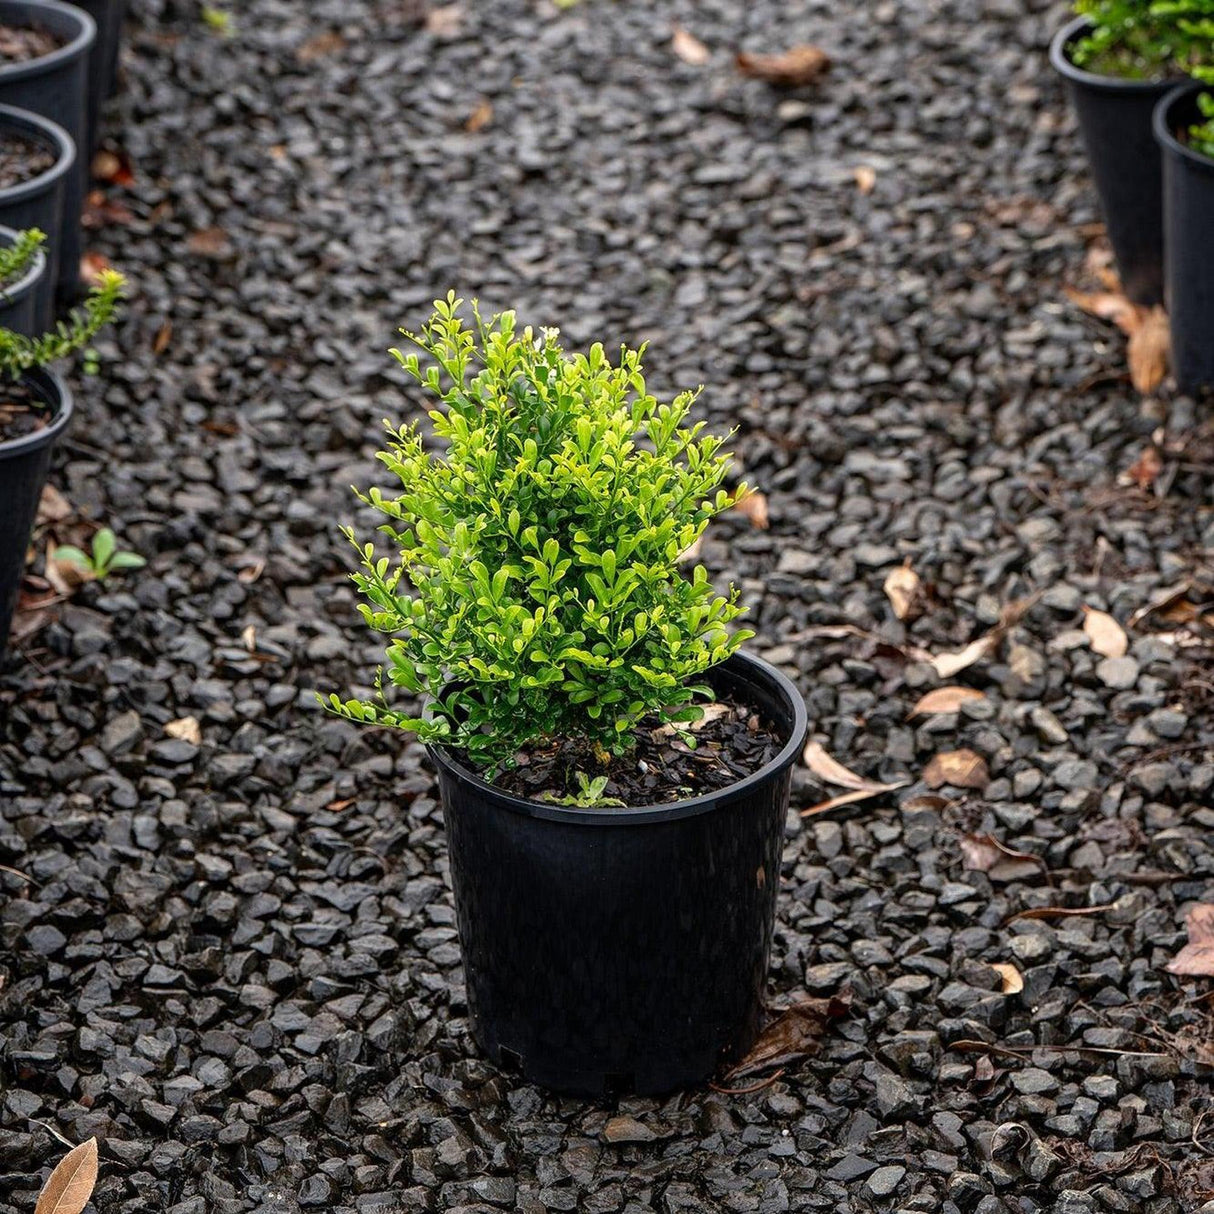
(56, 86)
(1115, 122)
(622, 949)
(18, 299)
(38, 203)
(1188, 206)
(23, 466)
(103, 58)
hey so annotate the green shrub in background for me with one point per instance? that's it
(538, 594)
(1147, 39)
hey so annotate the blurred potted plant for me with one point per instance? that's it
(1184, 129)
(35, 408)
(1119, 58)
(22, 267)
(614, 769)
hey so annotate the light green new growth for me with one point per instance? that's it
(537, 594)
(105, 558)
(1201, 135)
(1147, 39)
(16, 258)
(18, 353)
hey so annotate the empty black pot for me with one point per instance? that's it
(23, 467)
(17, 300)
(622, 949)
(1115, 122)
(56, 86)
(1188, 220)
(38, 203)
(103, 58)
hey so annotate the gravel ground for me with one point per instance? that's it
(235, 962)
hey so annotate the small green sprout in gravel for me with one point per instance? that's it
(105, 558)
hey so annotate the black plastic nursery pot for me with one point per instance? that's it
(56, 86)
(613, 950)
(18, 298)
(38, 203)
(23, 466)
(103, 58)
(1115, 122)
(1188, 220)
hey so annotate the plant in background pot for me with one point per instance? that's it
(22, 266)
(614, 769)
(1184, 128)
(1119, 59)
(35, 407)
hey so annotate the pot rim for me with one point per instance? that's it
(30, 278)
(1062, 64)
(73, 48)
(1165, 132)
(51, 388)
(20, 121)
(668, 811)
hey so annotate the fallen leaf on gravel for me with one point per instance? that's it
(53, 507)
(754, 506)
(249, 637)
(831, 771)
(185, 728)
(905, 592)
(1145, 470)
(945, 699)
(444, 22)
(929, 802)
(114, 168)
(92, 266)
(1058, 912)
(948, 664)
(849, 798)
(1149, 350)
(70, 1185)
(101, 211)
(794, 1034)
(326, 43)
(627, 1129)
(688, 47)
(959, 768)
(480, 117)
(797, 66)
(1106, 305)
(209, 242)
(1013, 980)
(1105, 635)
(866, 178)
(1162, 602)
(64, 575)
(985, 854)
(1196, 959)
(163, 336)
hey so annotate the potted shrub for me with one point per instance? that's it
(36, 157)
(22, 266)
(1184, 128)
(614, 770)
(46, 71)
(35, 408)
(1119, 58)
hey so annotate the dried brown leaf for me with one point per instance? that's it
(945, 699)
(328, 42)
(1105, 635)
(1162, 602)
(445, 22)
(1145, 470)
(1196, 959)
(1013, 979)
(480, 117)
(794, 68)
(831, 771)
(948, 664)
(1059, 912)
(958, 768)
(212, 243)
(92, 266)
(1107, 305)
(53, 507)
(113, 167)
(753, 505)
(850, 798)
(793, 1035)
(163, 336)
(1149, 350)
(866, 178)
(905, 592)
(249, 637)
(70, 1185)
(688, 47)
(185, 728)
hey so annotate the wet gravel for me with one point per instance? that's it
(235, 961)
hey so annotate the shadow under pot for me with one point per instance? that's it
(103, 60)
(36, 157)
(1115, 122)
(18, 297)
(55, 85)
(34, 412)
(1188, 213)
(623, 950)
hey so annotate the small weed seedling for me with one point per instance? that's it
(105, 558)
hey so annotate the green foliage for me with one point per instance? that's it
(16, 258)
(1147, 39)
(588, 796)
(18, 354)
(1201, 135)
(537, 594)
(218, 20)
(105, 558)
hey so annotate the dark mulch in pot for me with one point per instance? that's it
(236, 959)
(22, 159)
(21, 43)
(731, 742)
(21, 412)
